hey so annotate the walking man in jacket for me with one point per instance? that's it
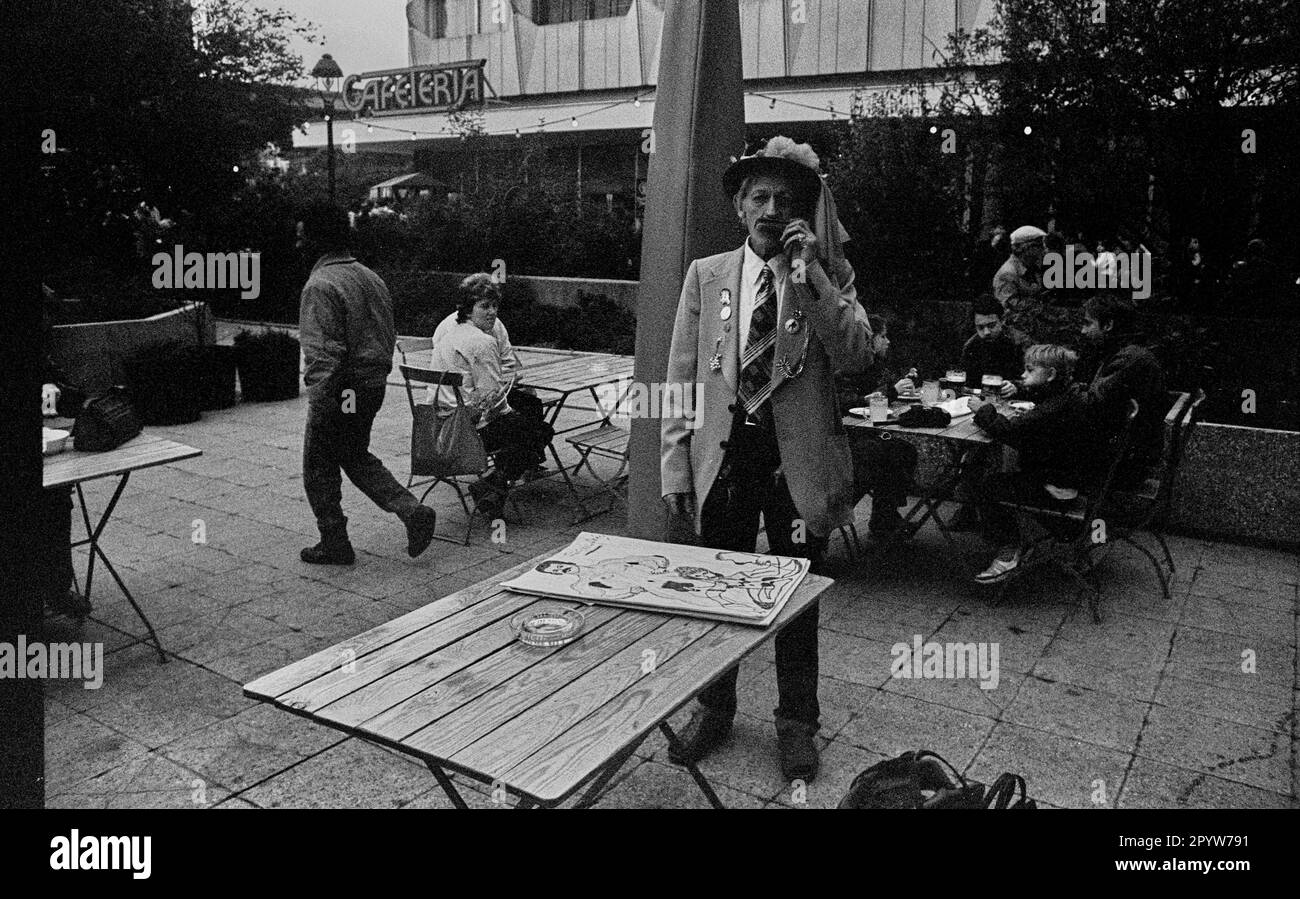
(347, 332)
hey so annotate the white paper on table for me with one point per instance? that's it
(956, 408)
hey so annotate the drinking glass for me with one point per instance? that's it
(956, 378)
(879, 407)
(929, 393)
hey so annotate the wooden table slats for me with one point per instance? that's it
(519, 739)
(406, 681)
(445, 696)
(302, 672)
(484, 714)
(449, 684)
(144, 451)
(405, 651)
(571, 758)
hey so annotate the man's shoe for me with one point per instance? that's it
(999, 569)
(419, 530)
(799, 757)
(704, 733)
(329, 554)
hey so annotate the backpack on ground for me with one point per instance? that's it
(924, 779)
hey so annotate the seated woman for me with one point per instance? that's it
(510, 421)
(883, 465)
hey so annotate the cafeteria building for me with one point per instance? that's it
(575, 79)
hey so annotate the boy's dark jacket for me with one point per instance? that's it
(1055, 439)
(1129, 371)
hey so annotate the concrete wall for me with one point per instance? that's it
(1240, 483)
(92, 354)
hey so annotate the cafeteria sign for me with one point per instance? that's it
(429, 89)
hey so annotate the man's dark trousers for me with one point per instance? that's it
(339, 441)
(747, 486)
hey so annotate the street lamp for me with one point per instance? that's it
(328, 75)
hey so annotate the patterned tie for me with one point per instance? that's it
(756, 384)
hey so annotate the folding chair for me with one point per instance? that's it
(608, 441)
(1074, 553)
(1146, 508)
(452, 479)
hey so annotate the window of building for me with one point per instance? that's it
(551, 12)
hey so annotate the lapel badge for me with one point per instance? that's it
(725, 313)
(792, 326)
(724, 297)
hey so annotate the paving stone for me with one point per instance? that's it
(1229, 750)
(1251, 622)
(1268, 706)
(250, 663)
(1071, 710)
(1151, 784)
(1114, 667)
(855, 659)
(964, 694)
(1057, 769)
(889, 724)
(78, 747)
(656, 785)
(148, 781)
(352, 774)
(252, 746)
(1018, 650)
(1219, 658)
(144, 704)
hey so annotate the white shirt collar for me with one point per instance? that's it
(752, 267)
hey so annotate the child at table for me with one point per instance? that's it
(1057, 451)
(883, 464)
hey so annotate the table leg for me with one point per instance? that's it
(447, 786)
(607, 773)
(691, 767)
(92, 539)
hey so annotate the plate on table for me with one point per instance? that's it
(865, 412)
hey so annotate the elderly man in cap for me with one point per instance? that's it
(763, 328)
(1019, 283)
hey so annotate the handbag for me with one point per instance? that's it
(105, 422)
(447, 446)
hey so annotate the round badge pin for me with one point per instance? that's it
(725, 313)
(792, 325)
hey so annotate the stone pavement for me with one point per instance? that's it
(1183, 703)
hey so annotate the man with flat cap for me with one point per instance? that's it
(763, 328)
(1018, 284)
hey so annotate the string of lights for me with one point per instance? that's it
(542, 123)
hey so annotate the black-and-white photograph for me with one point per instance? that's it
(923, 375)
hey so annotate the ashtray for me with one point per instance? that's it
(547, 627)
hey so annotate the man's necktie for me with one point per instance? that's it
(756, 384)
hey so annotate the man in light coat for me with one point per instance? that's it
(763, 328)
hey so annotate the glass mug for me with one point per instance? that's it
(879, 405)
(992, 385)
(929, 393)
(955, 379)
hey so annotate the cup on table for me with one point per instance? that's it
(992, 385)
(929, 393)
(955, 379)
(878, 403)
